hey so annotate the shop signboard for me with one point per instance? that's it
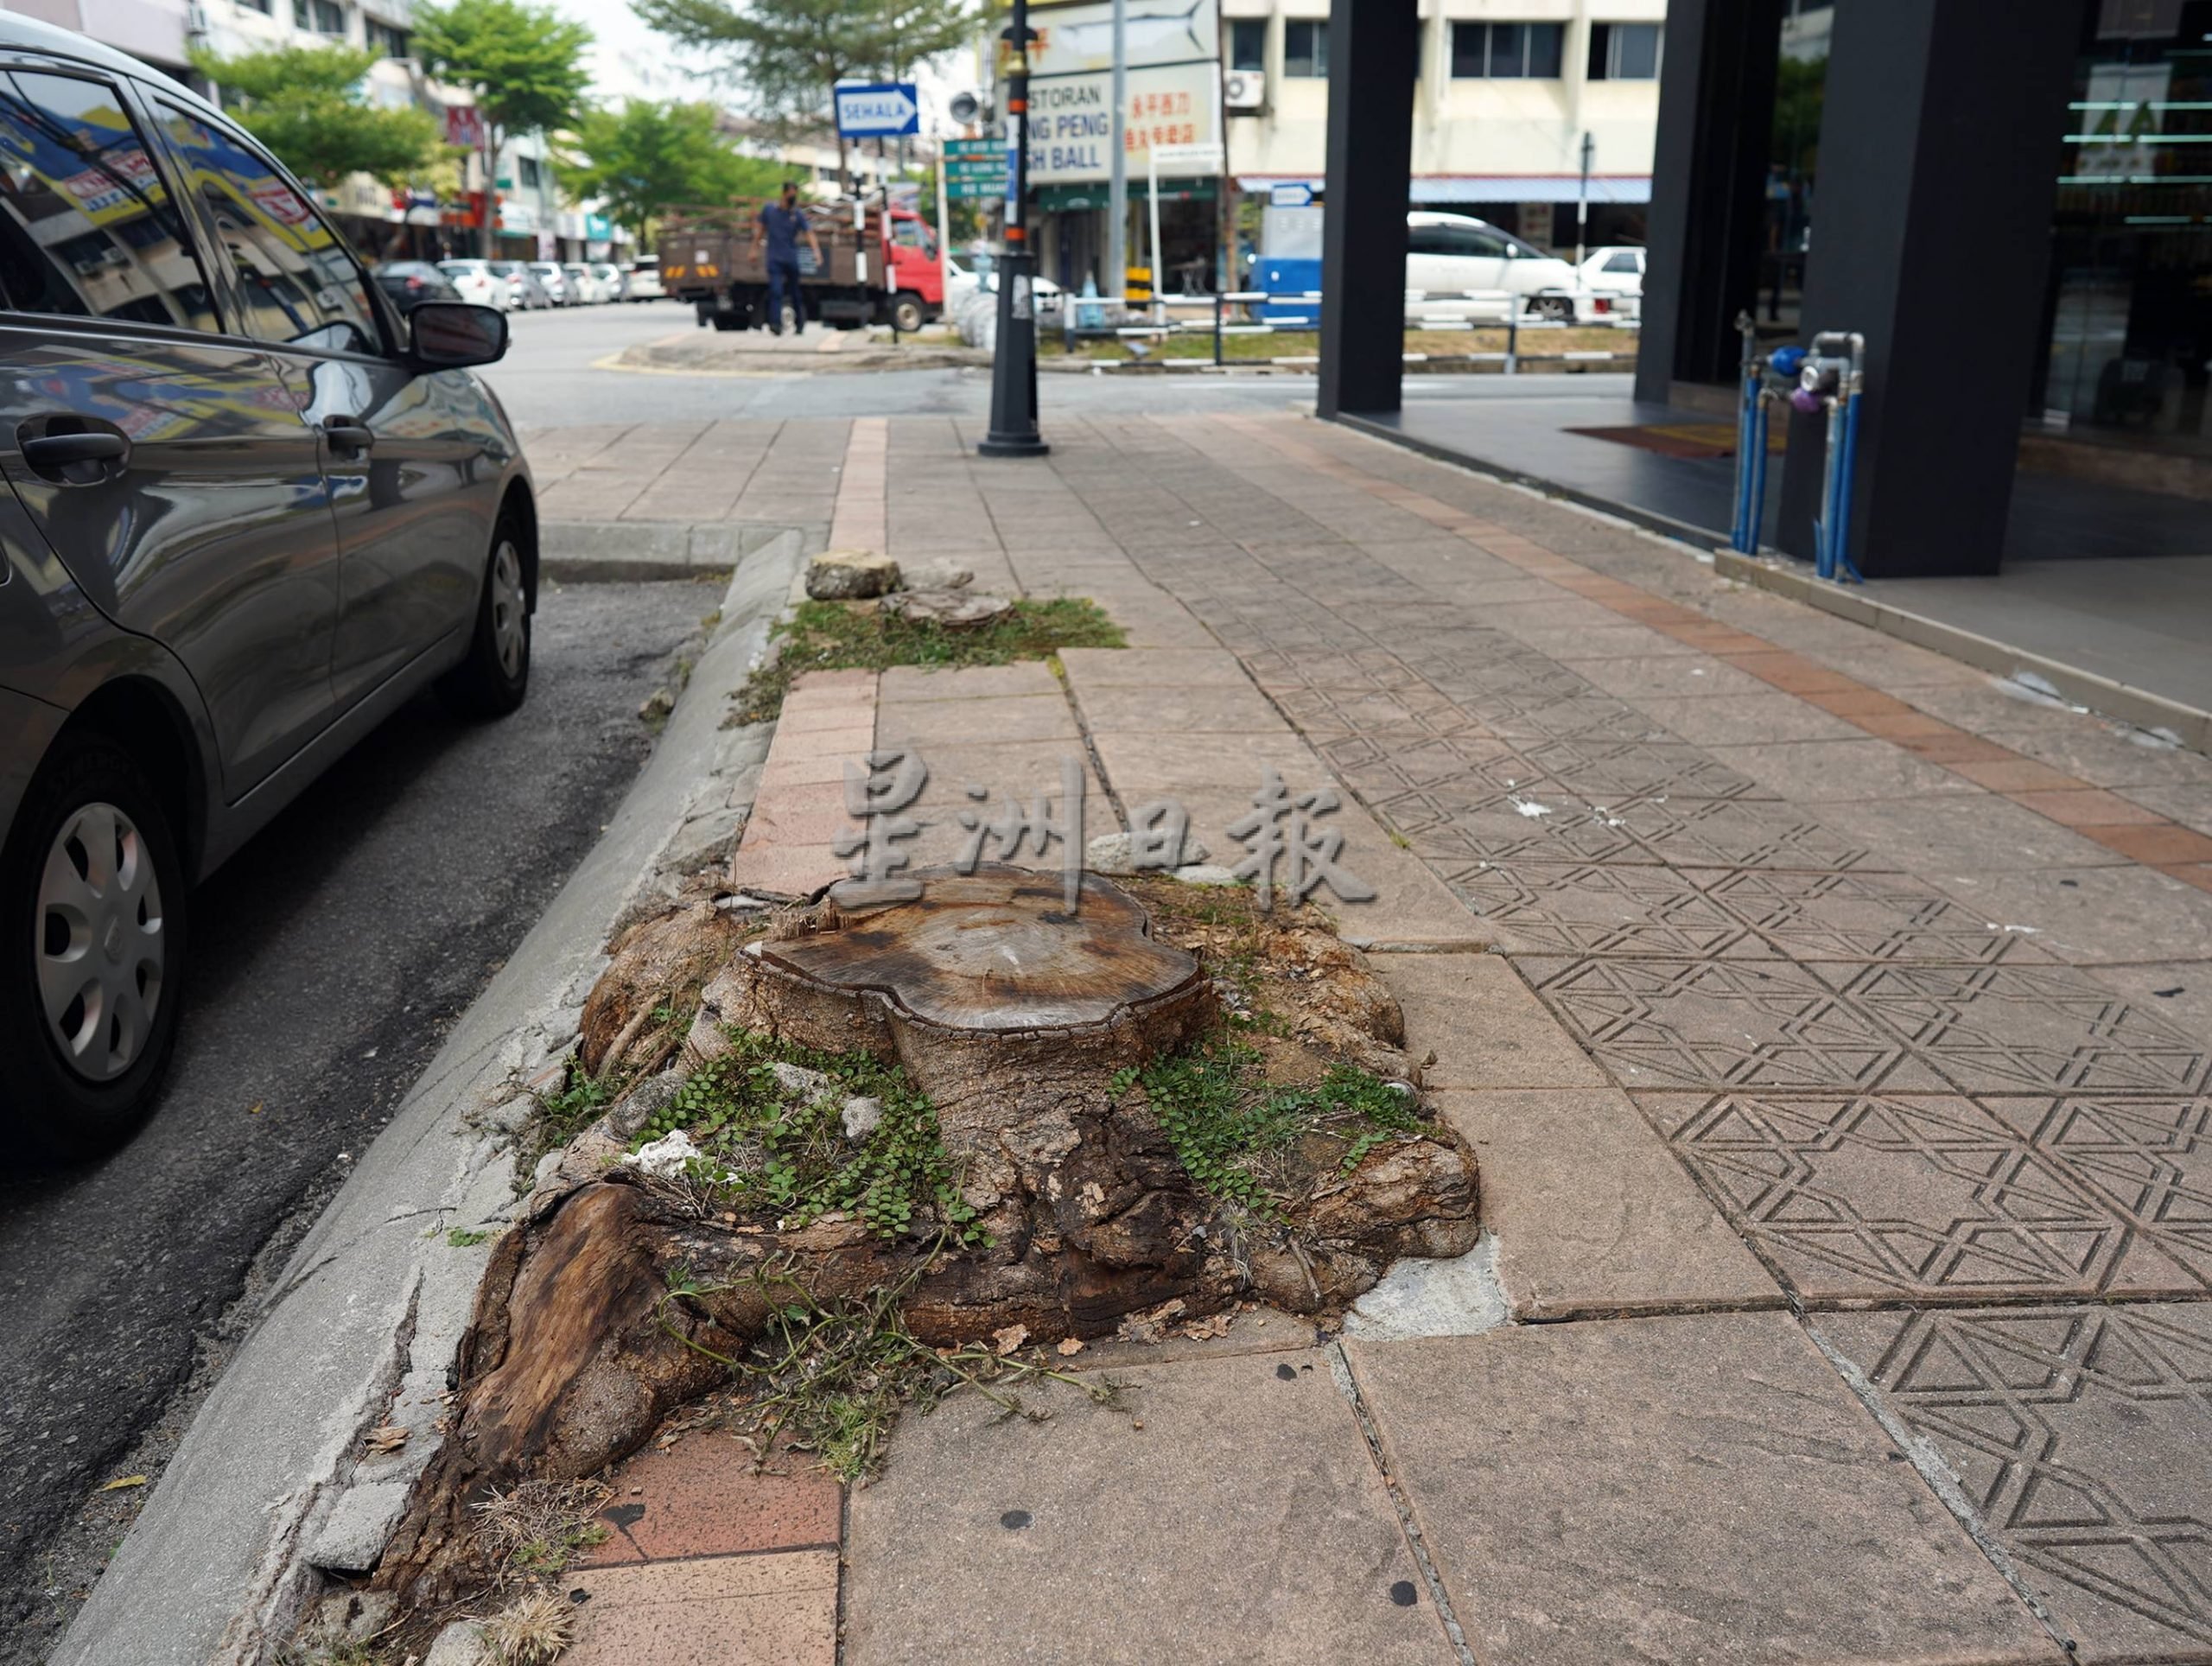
(1173, 49)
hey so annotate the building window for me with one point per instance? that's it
(261, 6)
(1624, 51)
(386, 40)
(1306, 48)
(1507, 52)
(323, 16)
(1248, 43)
(526, 171)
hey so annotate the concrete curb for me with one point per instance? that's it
(607, 552)
(2101, 694)
(363, 1326)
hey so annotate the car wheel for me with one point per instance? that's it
(92, 952)
(492, 680)
(907, 313)
(1558, 306)
(728, 320)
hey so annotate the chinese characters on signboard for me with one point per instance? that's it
(1173, 76)
(1287, 850)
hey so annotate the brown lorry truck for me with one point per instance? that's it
(882, 269)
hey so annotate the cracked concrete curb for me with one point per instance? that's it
(363, 1327)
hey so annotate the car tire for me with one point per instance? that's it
(77, 1082)
(1558, 306)
(907, 315)
(494, 678)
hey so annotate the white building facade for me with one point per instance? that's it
(1508, 91)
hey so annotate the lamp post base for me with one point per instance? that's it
(1014, 445)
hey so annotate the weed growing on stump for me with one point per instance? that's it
(1262, 1147)
(767, 1151)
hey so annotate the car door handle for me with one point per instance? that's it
(60, 450)
(348, 434)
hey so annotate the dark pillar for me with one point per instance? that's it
(1707, 224)
(1374, 55)
(1940, 156)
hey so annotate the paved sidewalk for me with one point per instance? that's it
(1832, 1026)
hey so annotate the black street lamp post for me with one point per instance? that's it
(1014, 365)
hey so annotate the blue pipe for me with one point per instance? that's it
(1757, 506)
(1845, 466)
(1745, 404)
(1824, 528)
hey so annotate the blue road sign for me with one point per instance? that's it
(878, 109)
(1297, 195)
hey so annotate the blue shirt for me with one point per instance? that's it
(783, 227)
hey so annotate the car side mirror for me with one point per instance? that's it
(454, 334)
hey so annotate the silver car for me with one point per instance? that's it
(248, 512)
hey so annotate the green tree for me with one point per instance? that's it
(306, 103)
(646, 157)
(524, 63)
(788, 53)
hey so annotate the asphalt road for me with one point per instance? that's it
(331, 956)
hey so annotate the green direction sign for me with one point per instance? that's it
(975, 168)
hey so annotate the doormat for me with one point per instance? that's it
(1695, 441)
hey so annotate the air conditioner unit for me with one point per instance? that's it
(1244, 91)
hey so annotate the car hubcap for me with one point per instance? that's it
(507, 607)
(101, 943)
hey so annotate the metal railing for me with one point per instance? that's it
(1515, 316)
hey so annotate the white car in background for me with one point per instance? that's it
(584, 287)
(610, 279)
(1458, 267)
(479, 284)
(1614, 275)
(641, 280)
(554, 282)
(973, 271)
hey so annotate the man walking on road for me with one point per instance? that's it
(782, 224)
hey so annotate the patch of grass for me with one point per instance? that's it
(1253, 1144)
(763, 1155)
(536, 1528)
(831, 636)
(831, 1375)
(461, 1239)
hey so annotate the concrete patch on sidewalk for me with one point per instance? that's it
(1676, 1489)
(1230, 1511)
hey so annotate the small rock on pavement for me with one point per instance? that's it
(1109, 854)
(954, 609)
(1206, 874)
(863, 1113)
(799, 1085)
(461, 1643)
(851, 575)
(937, 575)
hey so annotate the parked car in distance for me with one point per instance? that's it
(250, 509)
(1458, 267)
(610, 280)
(408, 283)
(474, 281)
(555, 281)
(1613, 278)
(976, 268)
(583, 285)
(525, 292)
(641, 280)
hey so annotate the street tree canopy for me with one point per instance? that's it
(306, 104)
(647, 157)
(524, 63)
(788, 53)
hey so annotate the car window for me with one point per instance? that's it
(1428, 240)
(1624, 262)
(907, 234)
(86, 228)
(297, 283)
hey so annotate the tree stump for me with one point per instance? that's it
(1022, 1023)
(1010, 1012)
